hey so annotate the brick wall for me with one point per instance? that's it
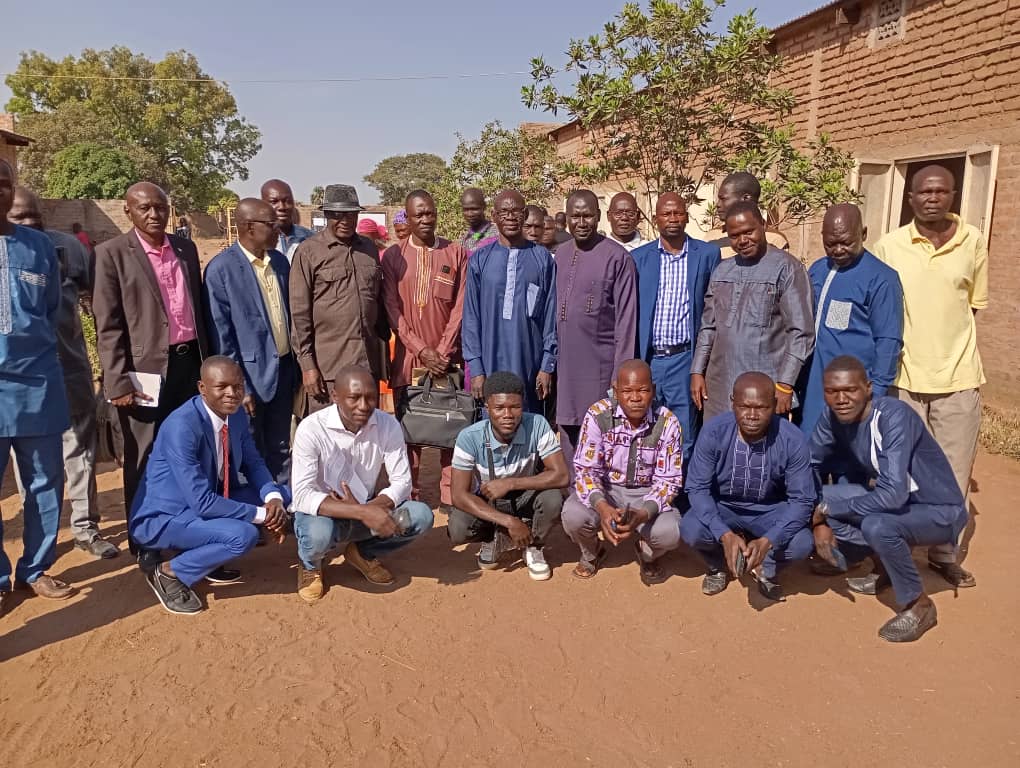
(950, 81)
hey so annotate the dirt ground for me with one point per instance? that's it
(454, 667)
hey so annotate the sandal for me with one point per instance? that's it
(585, 570)
(954, 574)
(650, 571)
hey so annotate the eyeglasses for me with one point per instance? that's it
(273, 223)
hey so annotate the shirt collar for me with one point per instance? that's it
(958, 236)
(668, 254)
(251, 256)
(217, 422)
(333, 421)
(649, 418)
(148, 248)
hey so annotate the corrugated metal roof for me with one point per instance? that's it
(809, 14)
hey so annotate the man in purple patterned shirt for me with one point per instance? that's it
(629, 467)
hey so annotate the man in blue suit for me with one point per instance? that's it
(191, 499)
(249, 322)
(673, 274)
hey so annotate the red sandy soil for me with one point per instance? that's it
(454, 667)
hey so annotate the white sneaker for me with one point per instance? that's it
(538, 568)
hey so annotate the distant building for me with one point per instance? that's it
(10, 141)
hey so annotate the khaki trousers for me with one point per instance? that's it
(954, 420)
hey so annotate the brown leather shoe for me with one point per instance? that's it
(48, 587)
(907, 626)
(309, 584)
(372, 570)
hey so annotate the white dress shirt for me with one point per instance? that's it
(635, 242)
(326, 455)
(217, 425)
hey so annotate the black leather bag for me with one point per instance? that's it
(432, 415)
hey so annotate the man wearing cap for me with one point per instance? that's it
(336, 299)
(279, 195)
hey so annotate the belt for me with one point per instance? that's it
(671, 349)
(184, 348)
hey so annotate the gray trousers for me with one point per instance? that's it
(582, 524)
(79, 448)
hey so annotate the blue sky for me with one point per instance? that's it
(316, 133)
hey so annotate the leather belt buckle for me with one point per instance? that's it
(183, 348)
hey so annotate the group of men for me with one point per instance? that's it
(756, 410)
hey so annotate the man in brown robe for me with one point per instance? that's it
(336, 300)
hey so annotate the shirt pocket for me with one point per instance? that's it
(443, 288)
(534, 293)
(837, 317)
(596, 297)
(758, 302)
(332, 281)
(30, 293)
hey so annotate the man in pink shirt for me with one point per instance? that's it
(148, 321)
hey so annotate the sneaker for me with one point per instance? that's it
(714, 582)
(309, 584)
(174, 594)
(48, 587)
(223, 576)
(97, 546)
(487, 558)
(538, 568)
(372, 570)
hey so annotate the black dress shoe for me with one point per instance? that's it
(871, 584)
(714, 582)
(223, 576)
(770, 590)
(909, 625)
(148, 560)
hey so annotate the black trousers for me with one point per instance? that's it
(271, 425)
(139, 425)
(542, 508)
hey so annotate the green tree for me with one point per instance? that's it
(316, 197)
(90, 170)
(666, 103)
(395, 176)
(179, 126)
(498, 159)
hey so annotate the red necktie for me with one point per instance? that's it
(225, 442)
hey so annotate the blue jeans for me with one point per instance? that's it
(41, 471)
(699, 537)
(890, 535)
(318, 535)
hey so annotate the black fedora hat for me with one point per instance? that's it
(340, 198)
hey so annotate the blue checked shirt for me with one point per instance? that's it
(672, 321)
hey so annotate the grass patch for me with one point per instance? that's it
(1000, 432)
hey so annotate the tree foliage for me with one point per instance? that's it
(395, 176)
(315, 198)
(498, 159)
(180, 127)
(665, 101)
(89, 170)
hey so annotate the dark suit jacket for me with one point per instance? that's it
(237, 318)
(702, 258)
(132, 330)
(181, 476)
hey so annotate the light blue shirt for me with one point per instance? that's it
(671, 323)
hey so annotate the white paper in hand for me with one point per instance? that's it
(148, 384)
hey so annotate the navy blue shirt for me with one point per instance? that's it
(773, 474)
(893, 448)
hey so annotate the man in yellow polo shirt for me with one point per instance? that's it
(943, 266)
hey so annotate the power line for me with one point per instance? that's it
(268, 81)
